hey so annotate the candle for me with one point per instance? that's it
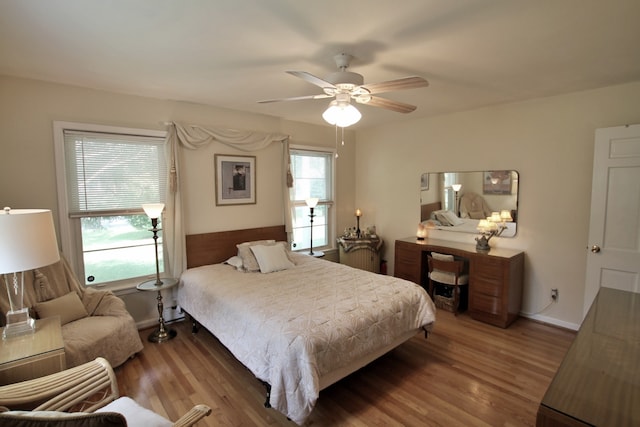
(358, 212)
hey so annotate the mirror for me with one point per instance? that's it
(471, 196)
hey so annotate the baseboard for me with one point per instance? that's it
(144, 324)
(552, 321)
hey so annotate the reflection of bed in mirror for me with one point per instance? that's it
(479, 194)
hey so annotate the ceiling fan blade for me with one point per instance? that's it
(399, 107)
(296, 98)
(399, 84)
(312, 79)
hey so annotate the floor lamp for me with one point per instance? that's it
(456, 189)
(312, 202)
(27, 241)
(153, 211)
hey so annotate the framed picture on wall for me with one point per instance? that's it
(496, 182)
(424, 181)
(235, 180)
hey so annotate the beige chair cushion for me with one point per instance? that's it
(442, 257)
(448, 278)
(135, 414)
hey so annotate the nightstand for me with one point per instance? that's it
(33, 355)
(361, 252)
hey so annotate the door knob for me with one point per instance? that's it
(595, 249)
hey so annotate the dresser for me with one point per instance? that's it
(495, 277)
(598, 382)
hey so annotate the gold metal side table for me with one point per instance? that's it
(163, 333)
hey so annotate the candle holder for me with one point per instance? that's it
(358, 215)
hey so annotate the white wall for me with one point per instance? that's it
(27, 169)
(549, 141)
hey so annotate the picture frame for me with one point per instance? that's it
(235, 180)
(496, 182)
(424, 181)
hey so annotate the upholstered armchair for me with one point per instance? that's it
(86, 396)
(95, 323)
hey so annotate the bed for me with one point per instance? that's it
(300, 329)
(434, 217)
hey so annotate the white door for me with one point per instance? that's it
(613, 260)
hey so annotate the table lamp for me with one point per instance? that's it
(27, 241)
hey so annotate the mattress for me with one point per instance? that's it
(302, 328)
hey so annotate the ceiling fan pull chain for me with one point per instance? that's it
(336, 141)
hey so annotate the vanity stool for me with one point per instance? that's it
(448, 284)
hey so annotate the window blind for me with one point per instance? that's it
(312, 175)
(113, 173)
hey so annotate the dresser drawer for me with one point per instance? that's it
(408, 263)
(485, 304)
(493, 288)
(487, 269)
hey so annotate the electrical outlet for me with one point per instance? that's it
(554, 294)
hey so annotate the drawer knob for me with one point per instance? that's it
(595, 249)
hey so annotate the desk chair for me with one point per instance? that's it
(446, 270)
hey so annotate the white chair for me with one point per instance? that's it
(445, 269)
(87, 394)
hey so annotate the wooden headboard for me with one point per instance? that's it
(425, 210)
(217, 247)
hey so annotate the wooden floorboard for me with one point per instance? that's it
(466, 373)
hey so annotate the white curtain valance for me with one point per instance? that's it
(194, 136)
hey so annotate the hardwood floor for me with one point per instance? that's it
(466, 373)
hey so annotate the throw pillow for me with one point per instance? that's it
(248, 260)
(271, 258)
(68, 307)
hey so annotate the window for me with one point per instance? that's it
(312, 177)
(105, 175)
(450, 178)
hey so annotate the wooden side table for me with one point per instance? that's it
(34, 355)
(162, 333)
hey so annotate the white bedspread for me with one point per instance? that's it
(292, 327)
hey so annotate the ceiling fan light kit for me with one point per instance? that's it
(341, 113)
(346, 86)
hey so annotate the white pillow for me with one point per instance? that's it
(271, 258)
(448, 218)
(249, 262)
(135, 414)
(235, 261)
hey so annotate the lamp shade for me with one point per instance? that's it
(456, 187)
(495, 217)
(27, 240)
(505, 215)
(312, 202)
(342, 114)
(153, 210)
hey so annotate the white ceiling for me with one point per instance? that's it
(233, 53)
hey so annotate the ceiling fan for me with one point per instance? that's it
(346, 86)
